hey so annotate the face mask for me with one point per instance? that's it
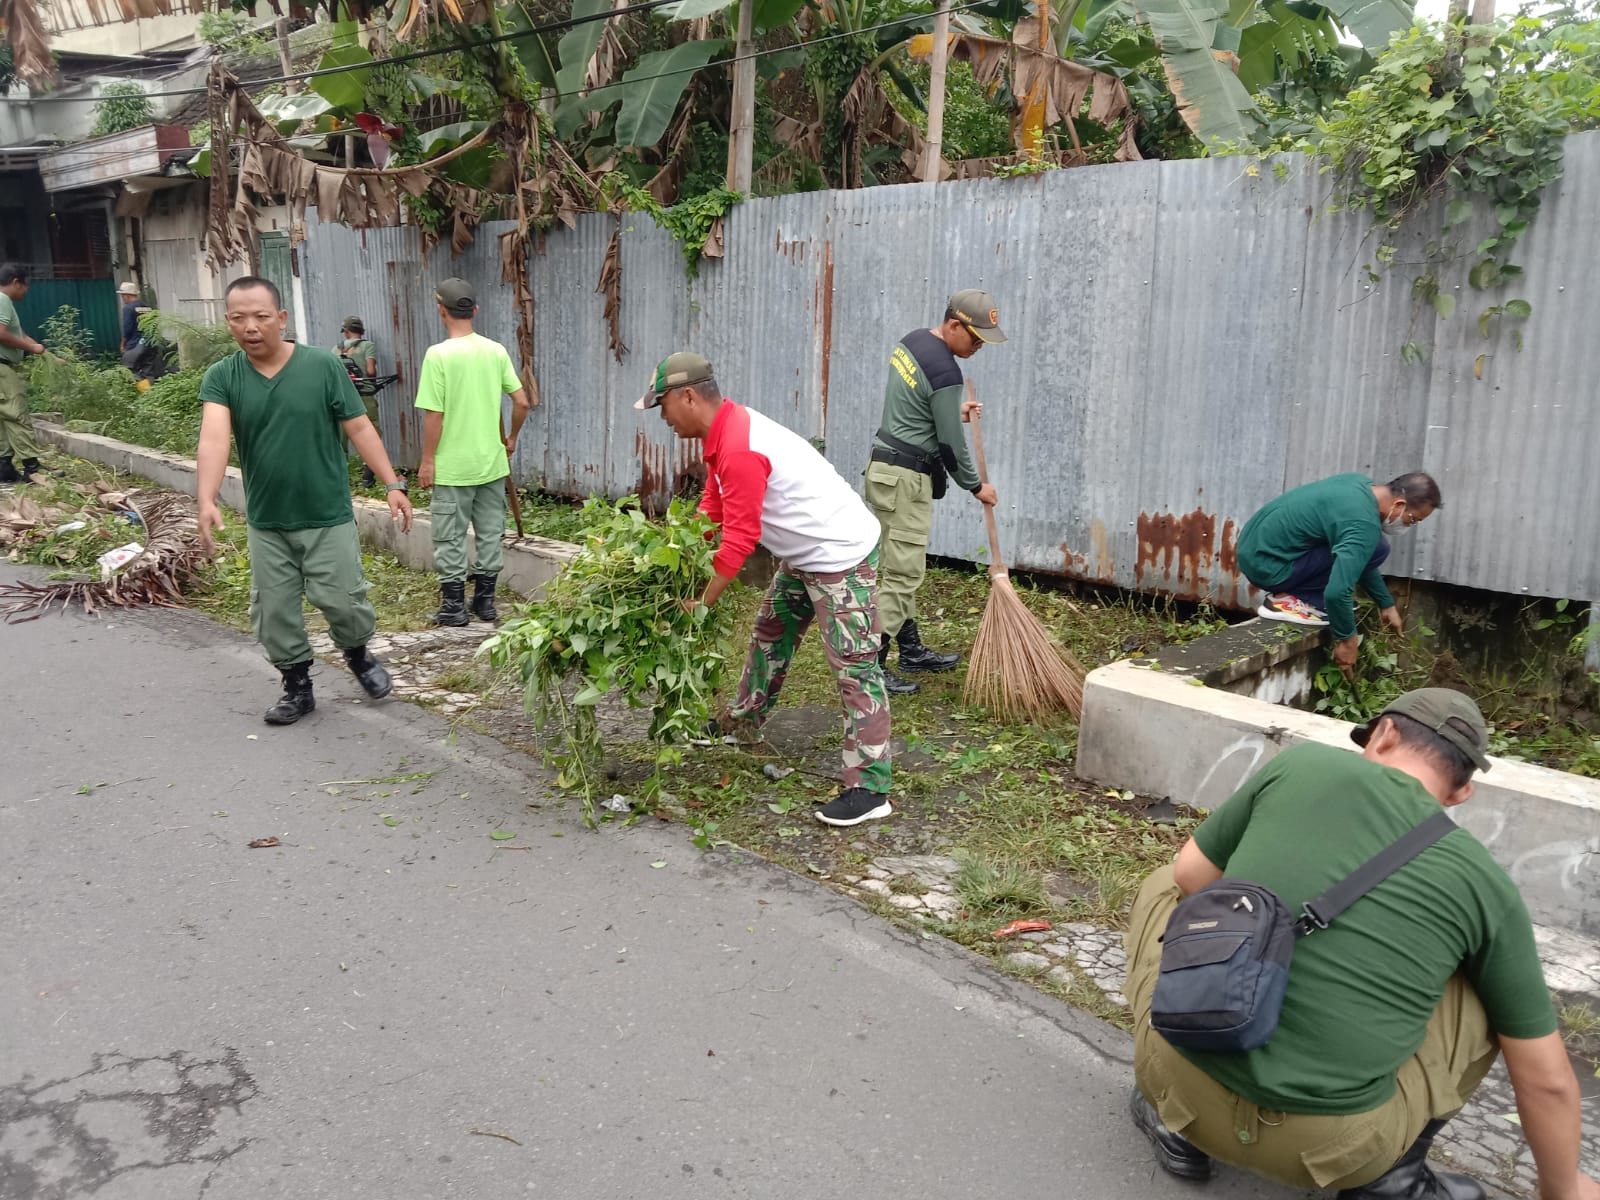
(1396, 525)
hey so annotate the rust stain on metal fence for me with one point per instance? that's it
(1178, 550)
(675, 469)
(824, 309)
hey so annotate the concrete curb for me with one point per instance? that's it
(1172, 736)
(530, 562)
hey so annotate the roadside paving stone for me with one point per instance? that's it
(877, 886)
(906, 902)
(1027, 960)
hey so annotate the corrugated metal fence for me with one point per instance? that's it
(1187, 340)
(99, 310)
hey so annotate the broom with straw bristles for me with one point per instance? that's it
(1016, 669)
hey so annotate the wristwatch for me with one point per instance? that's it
(399, 485)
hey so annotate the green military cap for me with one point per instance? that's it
(457, 297)
(977, 310)
(674, 371)
(1449, 713)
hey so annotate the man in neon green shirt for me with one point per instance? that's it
(465, 456)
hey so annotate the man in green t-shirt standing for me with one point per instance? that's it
(1310, 547)
(466, 457)
(19, 448)
(285, 406)
(1395, 1011)
(360, 358)
(919, 444)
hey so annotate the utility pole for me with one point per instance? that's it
(281, 27)
(741, 134)
(1483, 12)
(936, 72)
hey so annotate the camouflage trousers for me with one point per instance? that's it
(845, 604)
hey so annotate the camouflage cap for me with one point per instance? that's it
(1447, 712)
(978, 312)
(674, 371)
(457, 297)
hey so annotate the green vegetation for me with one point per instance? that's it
(620, 619)
(122, 106)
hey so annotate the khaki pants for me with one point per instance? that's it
(902, 500)
(451, 511)
(319, 565)
(1299, 1149)
(17, 439)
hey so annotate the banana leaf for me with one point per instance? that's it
(651, 90)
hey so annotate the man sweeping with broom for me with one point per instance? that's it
(767, 484)
(919, 446)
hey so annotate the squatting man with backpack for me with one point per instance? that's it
(285, 407)
(767, 484)
(465, 457)
(1401, 988)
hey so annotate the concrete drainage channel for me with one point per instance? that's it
(1193, 723)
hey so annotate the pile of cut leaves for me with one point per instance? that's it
(72, 536)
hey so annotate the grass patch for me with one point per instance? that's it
(1005, 889)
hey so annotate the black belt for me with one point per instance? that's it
(922, 465)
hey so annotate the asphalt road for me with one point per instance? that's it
(364, 1011)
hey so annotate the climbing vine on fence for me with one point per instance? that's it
(612, 624)
(1458, 114)
(690, 221)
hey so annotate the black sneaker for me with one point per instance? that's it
(1176, 1155)
(855, 805)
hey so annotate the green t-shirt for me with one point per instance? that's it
(1361, 991)
(13, 323)
(922, 403)
(464, 379)
(359, 354)
(288, 432)
(1339, 512)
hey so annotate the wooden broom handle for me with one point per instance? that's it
(997, 565)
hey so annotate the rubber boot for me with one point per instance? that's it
(483, 598)
(31, 467)
(1411, 1178)
(297, 699)
(892, 683)
(8, 471)
(367, 477)
(914, 656)
(374, 678)
(452, 604)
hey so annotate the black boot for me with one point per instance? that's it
(30, 467)
(367, 477)
(892, 683)
(452, 604)
(483, 598)
(374, 679)
(1176, 1155)
(1411, 1178)
(8, 471)
(914, 656)
(297, 699)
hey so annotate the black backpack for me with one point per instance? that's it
(1226, 950)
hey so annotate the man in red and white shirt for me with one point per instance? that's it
(767, 484)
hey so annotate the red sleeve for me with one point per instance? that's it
(741, 491)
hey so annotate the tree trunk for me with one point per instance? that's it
(742, 131)
(281, 27)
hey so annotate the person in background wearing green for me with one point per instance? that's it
(360, 359)
(1395, 1012)
(1310, 547)
(19, 448)
(466, 456)
(286, 405)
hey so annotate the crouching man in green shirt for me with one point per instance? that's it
(285, 405)
(1395, 1012)
(465, 457)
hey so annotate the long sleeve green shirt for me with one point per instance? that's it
(1339, 512)
(922, 403)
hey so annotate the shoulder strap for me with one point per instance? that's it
(1317, 914)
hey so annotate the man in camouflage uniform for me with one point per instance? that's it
(767, 484)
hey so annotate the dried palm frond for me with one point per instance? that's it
(157, 575)
(30, 48)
